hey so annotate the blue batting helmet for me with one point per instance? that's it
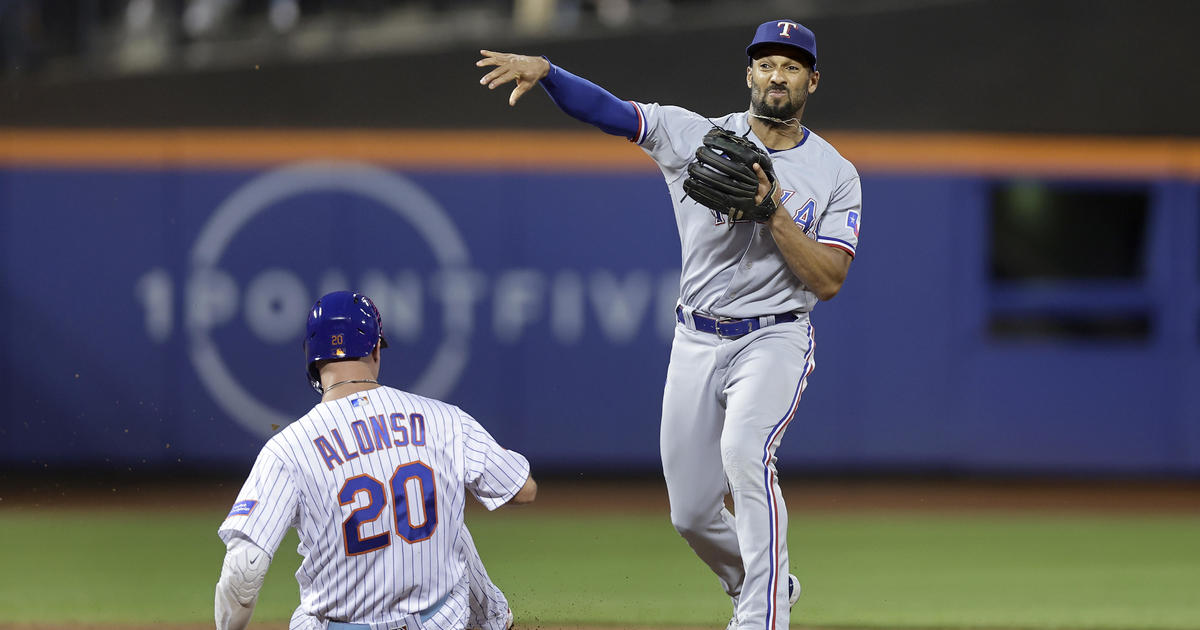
(341, 325)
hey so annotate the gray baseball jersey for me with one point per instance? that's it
(374, 485)
(731, 399)
(743, 274)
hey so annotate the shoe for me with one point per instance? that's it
(793, 595)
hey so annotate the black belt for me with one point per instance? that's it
(730, 328)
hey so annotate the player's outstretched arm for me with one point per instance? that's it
(579, 98)
(523, 69)
(526, 494)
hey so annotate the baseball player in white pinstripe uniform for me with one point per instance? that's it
(743, 347)
(373, 481)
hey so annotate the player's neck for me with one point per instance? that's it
(775, 136)
(342, 383)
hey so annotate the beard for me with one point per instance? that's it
(786, 109)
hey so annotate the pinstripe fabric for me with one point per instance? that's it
(489, 607)
(299, 473)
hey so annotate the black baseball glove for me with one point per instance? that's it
(721, 177)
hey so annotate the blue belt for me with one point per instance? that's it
(425, 615)
(730, 328)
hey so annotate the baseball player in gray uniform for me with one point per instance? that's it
(373, 480)
(743, 346)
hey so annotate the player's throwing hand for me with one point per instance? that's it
(525, 70)
(765, 188)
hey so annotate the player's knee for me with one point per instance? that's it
(691, 522)
(684, 524)
(740, 458)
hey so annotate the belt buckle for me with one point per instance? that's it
(726, 320)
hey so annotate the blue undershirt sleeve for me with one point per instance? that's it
(592, 104)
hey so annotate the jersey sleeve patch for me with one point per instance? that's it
(243, 508)
(852, 222)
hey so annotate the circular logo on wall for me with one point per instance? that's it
(208, 282)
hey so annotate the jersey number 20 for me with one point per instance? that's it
(411, 525)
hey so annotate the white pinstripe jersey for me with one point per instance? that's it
(373, 483)
(743, 274)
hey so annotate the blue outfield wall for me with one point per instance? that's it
(152, 319)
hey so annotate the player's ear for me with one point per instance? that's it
(749, 73)
(373, 363)
(813, 79)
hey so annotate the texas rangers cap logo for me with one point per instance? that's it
(785, 33)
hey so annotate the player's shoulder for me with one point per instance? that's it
(435, 411)
(279, 450)
(309, 421)
(316, 422)
(676, 116)
(668, 112)
(828, 153)
(415, 402)
(280, 443)
(737, 122)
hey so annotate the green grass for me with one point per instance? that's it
(881, 570)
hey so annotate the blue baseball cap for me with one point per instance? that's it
(784, 33)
